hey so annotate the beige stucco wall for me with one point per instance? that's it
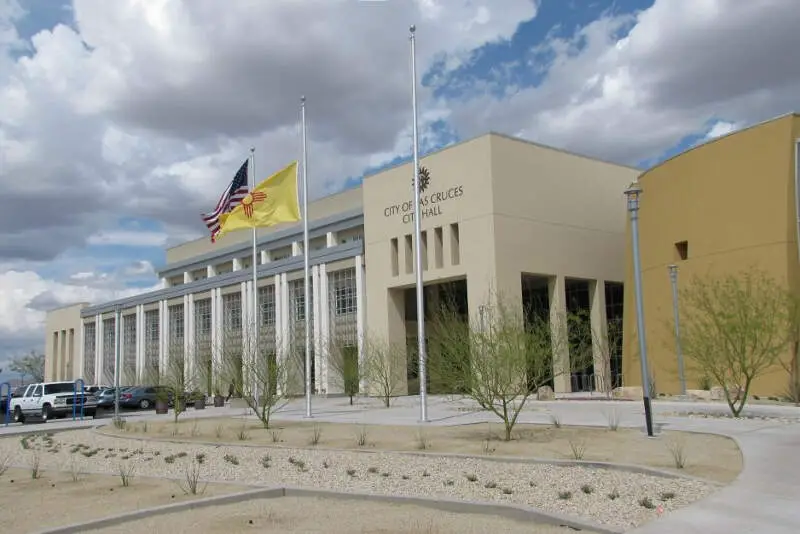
(555, 213)
(732, 200)
(62, 353)
(523, 208)
(325, 207)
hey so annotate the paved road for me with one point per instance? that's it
(763, 499)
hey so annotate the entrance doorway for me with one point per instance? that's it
(450, 295)
(579, 334)
(536, 310)
(614, 302)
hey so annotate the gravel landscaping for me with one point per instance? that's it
(607, 497)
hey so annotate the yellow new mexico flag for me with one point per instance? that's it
(271, 202)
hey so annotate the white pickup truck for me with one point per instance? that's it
(51, 399)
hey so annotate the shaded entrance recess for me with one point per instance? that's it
(451, 294)
(579, 331)
(536, 308)
(615, 294)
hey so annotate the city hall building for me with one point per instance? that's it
(500, 216)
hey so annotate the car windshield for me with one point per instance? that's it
(63, 387)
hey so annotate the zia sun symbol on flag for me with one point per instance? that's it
(251, 199)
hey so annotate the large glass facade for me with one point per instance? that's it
(89, 351)
(129, 350)
(109, 339)
(202, 342)
(152, 333)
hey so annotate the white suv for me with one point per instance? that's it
(51, 399)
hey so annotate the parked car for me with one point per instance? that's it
(94, 389)
(144, 397)
(48, 400)
(105, 399)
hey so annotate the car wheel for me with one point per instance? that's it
(18, 417)
(144, 404)
(46, 413)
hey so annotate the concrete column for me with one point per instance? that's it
(361, 315)
(324, 321)
(121, 330)
(297, 248)
(558, 327)
(51, 364)
(315, 339)
(266, 256)
(217, 322)
(282, 340)
(69, 371)
(214, 321)
(163, 331)
(188, 339)
(165, 283)
(211, 271)
(187, 277)
(601, 352)
(279, 311)
(98, 348)
(332, 239)
(139, 325)
(237, 264)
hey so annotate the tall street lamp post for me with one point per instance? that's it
(673, 278)
(632, 193)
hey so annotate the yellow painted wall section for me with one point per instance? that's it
(732, 200)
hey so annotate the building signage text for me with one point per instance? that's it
(430, 205)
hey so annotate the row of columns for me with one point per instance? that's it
(599, 327)
(321, 326)
(63, 343)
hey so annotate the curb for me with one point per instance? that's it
(43, 429)
(509, 511)
(589, 464)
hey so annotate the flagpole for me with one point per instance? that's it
(254, 262)
(423, 385)
(307, 300)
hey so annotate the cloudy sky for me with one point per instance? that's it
(121, 121)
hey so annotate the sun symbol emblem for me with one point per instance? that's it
(424, 179)
(250, 199)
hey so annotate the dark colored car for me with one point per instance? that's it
(144, 397)
(16, 392)
(105, 398)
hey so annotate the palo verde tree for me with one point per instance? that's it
(258, 376)
(384, 368)
(500, 362)
(344, 373)
(734, 329)
(178, 377)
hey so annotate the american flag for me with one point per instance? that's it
(232, 197)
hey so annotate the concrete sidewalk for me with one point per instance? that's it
(764, 499)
